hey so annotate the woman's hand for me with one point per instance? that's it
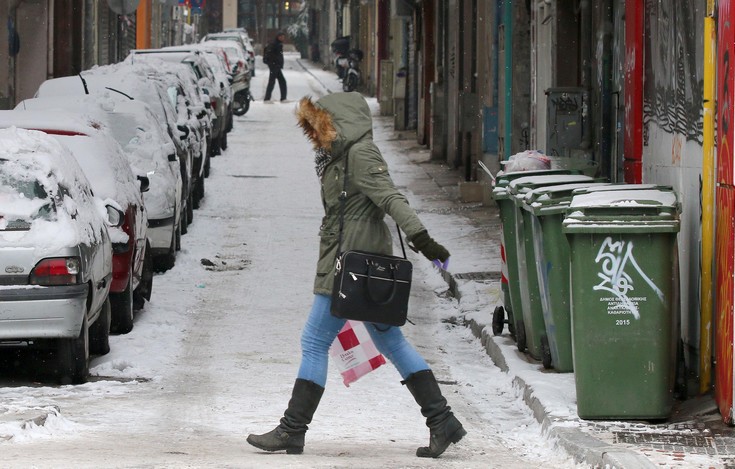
(426, 245)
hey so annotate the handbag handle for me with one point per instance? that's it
(393, 282)
(342, 202)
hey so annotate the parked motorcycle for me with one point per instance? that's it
(351, 67)
(340, 47)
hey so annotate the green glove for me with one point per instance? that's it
(426, 245)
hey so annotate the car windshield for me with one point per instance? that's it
(22, 200)
(124, 128)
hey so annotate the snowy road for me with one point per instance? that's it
(214, 355)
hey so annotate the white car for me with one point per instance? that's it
(108, 171)
(150, 152)
(55, 254)
(132, 82)
(241, 37)
(241, 68)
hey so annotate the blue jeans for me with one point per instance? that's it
(322, 328)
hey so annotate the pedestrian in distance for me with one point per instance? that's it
(273, 58)
(339, 126)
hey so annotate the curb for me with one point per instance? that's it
(579, 445)
(306, 69)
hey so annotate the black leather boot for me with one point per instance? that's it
(289, 434)
(443, 425)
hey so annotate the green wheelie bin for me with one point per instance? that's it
(547, 206)
(534, 332)
(624, 278)
(507, 210)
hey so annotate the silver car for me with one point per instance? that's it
(55, 253)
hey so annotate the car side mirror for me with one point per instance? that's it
(145, 183)
(184, 130)
(115, 217)
(172, 157)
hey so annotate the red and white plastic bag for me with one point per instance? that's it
(354, 352)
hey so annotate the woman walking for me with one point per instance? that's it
(340, 127)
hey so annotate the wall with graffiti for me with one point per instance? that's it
(672, 132)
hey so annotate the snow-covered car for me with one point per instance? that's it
(55, 253)
(180, 85)
(217, 59)
(202, 86)
(239, 71)
(108, 171)
(150, 152)
(131, 82)
(241, 37)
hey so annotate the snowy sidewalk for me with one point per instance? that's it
(693, 437)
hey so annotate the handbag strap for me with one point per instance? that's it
(343, 202)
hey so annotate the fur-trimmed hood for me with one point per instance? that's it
(336, 121)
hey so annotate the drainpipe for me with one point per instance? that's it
(708, 195)
(12, 79)
(585, 43)
(508, 108)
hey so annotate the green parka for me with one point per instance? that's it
(371, 193)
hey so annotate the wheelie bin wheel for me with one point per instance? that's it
(545, 352)
(498, 320)
(521, 337)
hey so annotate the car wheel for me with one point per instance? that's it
(166, 261)
(245, 106)
(145, 287)
(184, 223)
(99, 331)
(178, 233)
(72, 356)
(199, 195)
(122, 308)
(190, 208)
(239, 103)
(213, 150)
(223, 142)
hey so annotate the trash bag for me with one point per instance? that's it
(529, 160)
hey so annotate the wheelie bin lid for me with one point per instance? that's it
(519, 188)
(623, 208)
(503, 180)
(549, 200)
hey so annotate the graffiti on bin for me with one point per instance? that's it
(614, 257)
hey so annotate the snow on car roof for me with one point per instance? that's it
(136, 128)
(28, 155)
(230, 47)
(101, 158)
(119, 81)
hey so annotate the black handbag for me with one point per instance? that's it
(370, 287)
